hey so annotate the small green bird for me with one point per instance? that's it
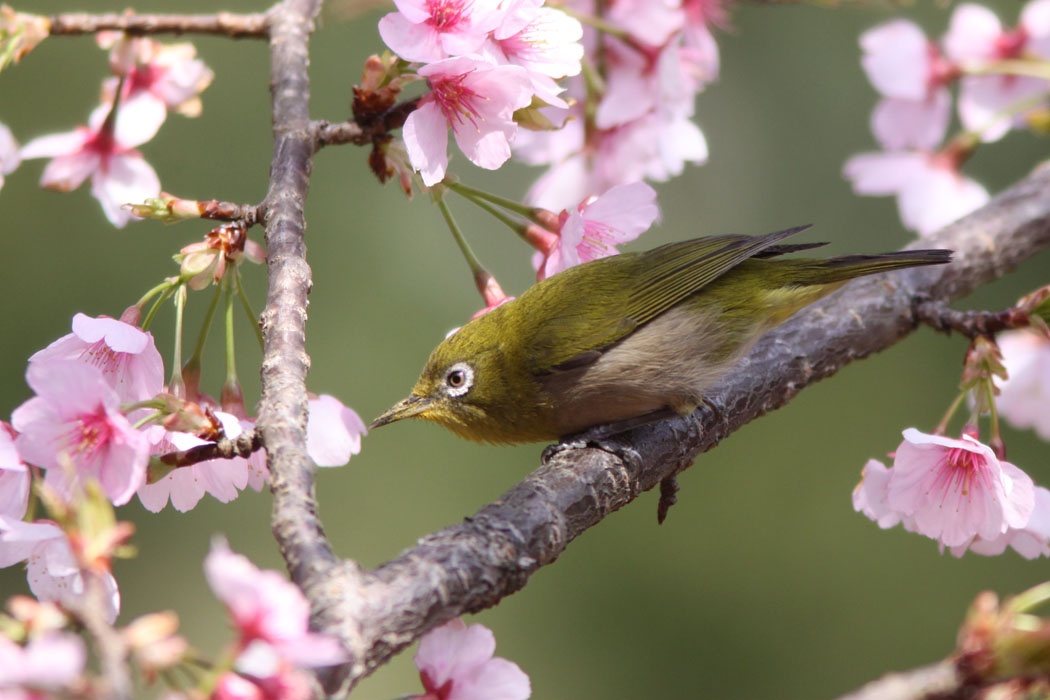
(624, 337)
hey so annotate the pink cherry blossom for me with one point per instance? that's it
(958, 489)
(283, 682)
(930, 190)
(105, 151)
(698, 41)
(74, 429)
(125, 354)
(54, 660)
(976, 39)
(477, 99)
(333, 432)
(1030, 541)
(597, 225)
(543, 40)
(157, 77)
(1024, 400)
(265, 606)
(9, 155)
(14, 476)
(430, 30)
(652, 22)
(185, 486)
(51, 567)
(871, 497)
(456, 662)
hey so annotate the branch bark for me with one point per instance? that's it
(252, 26)
(471, 566)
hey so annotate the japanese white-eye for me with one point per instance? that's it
(625, 336)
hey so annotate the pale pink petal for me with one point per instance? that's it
(972, 34)
(1025, 394)
(56, 659)
(454, 649)
(498, 679)
(119, 336)
(650, 21)
(426, 140)
(936, 197)
(139, 118)
(9, 152)
(55, 144)
(411, 41)
(871, 495)
(563, 185)
(881, 173)
(129, 179)
(415, 11)
(988, 103)
(14, 478)
(333, 432)
(627, 97)
(896, 59)
(921, 124)
(628, 209)
(1020, 497)
(66, 173)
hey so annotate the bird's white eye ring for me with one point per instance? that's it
(459, 378)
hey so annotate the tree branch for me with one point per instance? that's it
(471, 566)
(243, 446)
(939, 680)
(222, 24)
(283, 406)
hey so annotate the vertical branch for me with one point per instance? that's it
(283, 409)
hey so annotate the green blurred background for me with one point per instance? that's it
(762, 583)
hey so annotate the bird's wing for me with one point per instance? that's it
(586, 324)
(678, 270)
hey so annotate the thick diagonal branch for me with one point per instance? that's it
(471, 566)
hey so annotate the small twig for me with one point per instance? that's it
(243, 446)
(969, 323)
(328, 134)
(253, 26)
(940, 680)
(229, 211)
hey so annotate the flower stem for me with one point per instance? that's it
(1027, 600)
(153, 292)
(514, 225)
(156, 307)
(942, 427)
(231, 361)
(472, 260)
(253, 319)
(1030, 69)
(176, 384)
(509, 204)
(202, 337)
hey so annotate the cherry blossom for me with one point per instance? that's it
(205, 262)
(456, 662)
(157, 77)
(930, 190)
(477, 99)
(14, 476)
(651, 22)
(52, 661)
(1024, 398)
(988, 104)
(185, 486)
(9, 155)
(430, 30)
(266, 607)
(333, 432)
(105, 151)
(597, 225)
(74, 429)
(126, 355)
(51, 567)
(1030, 541)
(544, 41)
(951, 490)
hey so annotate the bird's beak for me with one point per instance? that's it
(405, 408)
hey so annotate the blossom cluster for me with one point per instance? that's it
(149, 79)
(94, 419)
(960, 492)
(634, 121)
(913, 75)
(483, 61)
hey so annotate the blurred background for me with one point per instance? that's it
(763, 582)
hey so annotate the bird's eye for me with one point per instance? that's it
(459, 378)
